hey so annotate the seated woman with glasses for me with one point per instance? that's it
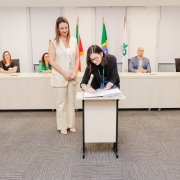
(7, 65)
(103, 67)
(44, 65)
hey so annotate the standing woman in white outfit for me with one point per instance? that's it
(64, 58)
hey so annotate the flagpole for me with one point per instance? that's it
(124, 21)
(78, 26)
(102, 19)
(78, 20)
(125, 46)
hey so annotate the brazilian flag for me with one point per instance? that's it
(104, 41)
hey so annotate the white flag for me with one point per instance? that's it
(124, 51)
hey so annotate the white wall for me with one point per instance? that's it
(15, 35)
(42, 29)
(142, 23)
(169, 34)
(28, 40)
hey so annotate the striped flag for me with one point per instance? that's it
(81, 51)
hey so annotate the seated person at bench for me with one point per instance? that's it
(7, 65)
(139, 63)
(44, 65)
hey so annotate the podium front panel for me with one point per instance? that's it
(100, 121)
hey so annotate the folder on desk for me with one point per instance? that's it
(107, 93)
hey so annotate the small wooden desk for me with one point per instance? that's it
(100, 120)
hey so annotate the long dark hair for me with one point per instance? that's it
(43, 61)
(3, 56)
(98, 50)
(60, 20)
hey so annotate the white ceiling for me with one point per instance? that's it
(86, 3)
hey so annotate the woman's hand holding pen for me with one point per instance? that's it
(88, 90)
(91, 90)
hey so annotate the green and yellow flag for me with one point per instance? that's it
(104, 40)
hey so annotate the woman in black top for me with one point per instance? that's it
(103, 67)
(7, 65)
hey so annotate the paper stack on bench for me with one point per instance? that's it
(105, 93)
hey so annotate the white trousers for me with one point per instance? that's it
(65, 99)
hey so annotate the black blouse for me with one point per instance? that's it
(6, 68)
(110, 72)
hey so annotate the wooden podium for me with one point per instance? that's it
(100, 120)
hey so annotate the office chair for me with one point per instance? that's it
(177, 64)
(128, 64)
(36, 66)
(17, 63)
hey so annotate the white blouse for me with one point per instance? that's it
(69, 54)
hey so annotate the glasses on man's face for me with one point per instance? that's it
(95, 59)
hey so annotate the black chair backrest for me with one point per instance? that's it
(17, 63)
(128, 64)
(177, 64)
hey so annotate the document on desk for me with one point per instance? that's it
(106, 93)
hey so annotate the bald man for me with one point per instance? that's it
(139, 63)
